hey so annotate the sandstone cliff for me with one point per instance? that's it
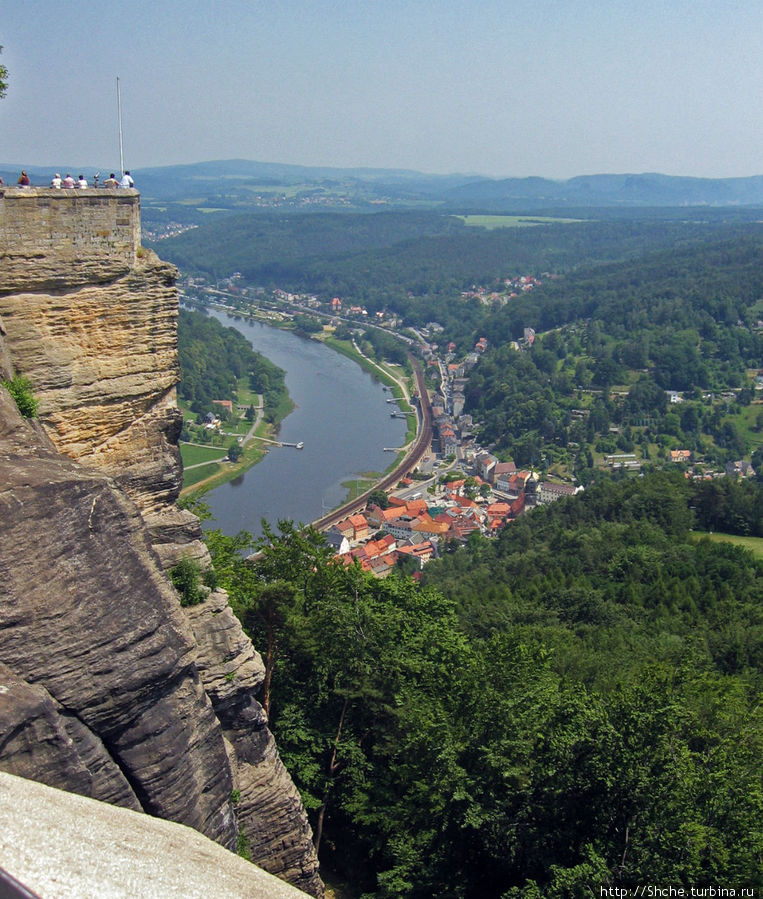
(107, 686)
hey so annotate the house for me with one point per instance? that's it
(345, 528)
(549, 492)
(383, 565)
(360, 527)
(517, 482)
(501, 472)
(463, 501)
(337, 541)
(336, 305)
(403, 527)
(498, 510)
(461, 528)
(416, 507)
(681, 455)
(421, 551)
(485, 463)
(378, 517)
(448, 443)
(425, 524)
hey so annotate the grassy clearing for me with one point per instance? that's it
(490, 222)
(754, 544)
(199, 480)
(197, 455)
(346, 348)
(194, 476)
(357, 486)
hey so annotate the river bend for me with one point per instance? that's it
(343, 419)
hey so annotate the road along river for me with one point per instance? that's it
(343, 419)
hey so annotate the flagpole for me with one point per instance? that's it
(119, 113)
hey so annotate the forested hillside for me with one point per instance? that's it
(615, 339)
(378, 257)
(576, 703)
(571, 706)
(213, 360)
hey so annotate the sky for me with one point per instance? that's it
(504, 88)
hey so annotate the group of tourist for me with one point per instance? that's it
(68, 183)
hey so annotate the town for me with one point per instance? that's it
(458, 488)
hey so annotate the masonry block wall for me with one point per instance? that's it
(80, 228)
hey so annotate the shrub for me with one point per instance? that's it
(185, 577)
(20, 388)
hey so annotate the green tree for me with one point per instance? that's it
(235, 451)
(3, 78)
(379, 498)
(186, 576)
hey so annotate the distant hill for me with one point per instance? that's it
(242, 184)
(610, 190)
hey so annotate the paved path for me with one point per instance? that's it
(257, 419)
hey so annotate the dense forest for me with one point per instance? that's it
(214, 359)
(393, 257)
(572, 705)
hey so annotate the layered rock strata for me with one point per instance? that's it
(107, 686)
(88, 618)
(269, 810)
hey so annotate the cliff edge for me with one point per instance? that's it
(108, 687)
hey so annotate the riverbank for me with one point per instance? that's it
(398, 387)
(199, 480)
(220, 472)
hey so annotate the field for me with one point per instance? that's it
(197, 455)
(754, 544)
(490, 222)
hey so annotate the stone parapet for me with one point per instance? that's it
(87, 228)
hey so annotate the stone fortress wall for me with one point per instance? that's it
(104, 221)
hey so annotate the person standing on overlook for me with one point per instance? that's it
(23, 180)
(68, 181)
(82, 183)
(56, 181)
(127, 180)
(111, 182)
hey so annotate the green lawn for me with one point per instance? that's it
(194, 455)
(511, 221)
(754, 544)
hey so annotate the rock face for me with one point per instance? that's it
(107, 686)
(269, 810)
(87, 616)
(93, 849)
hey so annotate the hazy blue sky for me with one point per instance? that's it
(500, 87)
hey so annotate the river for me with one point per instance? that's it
(343, 419)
